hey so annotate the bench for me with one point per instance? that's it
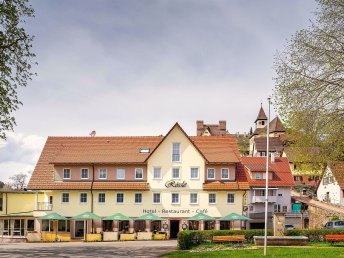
(228, 239)
(335, 238)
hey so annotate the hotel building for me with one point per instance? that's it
(175, 177)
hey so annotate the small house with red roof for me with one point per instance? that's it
(331, 187)
(279, 191)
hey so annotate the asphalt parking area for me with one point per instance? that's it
(80, 249)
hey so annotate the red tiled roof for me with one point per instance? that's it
(282, 174)
(338, 173)
(123, 150)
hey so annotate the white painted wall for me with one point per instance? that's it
(334, 191)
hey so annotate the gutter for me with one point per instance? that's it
(92, 187)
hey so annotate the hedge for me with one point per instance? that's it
(189, 238)
(314, 235)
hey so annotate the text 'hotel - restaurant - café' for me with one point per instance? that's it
(173, 177)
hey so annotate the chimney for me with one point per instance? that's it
(200, 126)
(222, 124)
(272, 157)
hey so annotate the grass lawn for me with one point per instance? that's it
(295, 252)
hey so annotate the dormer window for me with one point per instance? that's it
(84, 173)
(66, 173)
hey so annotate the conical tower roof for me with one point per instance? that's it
(261, 115)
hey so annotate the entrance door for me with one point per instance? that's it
(79, 228)
(174, 228)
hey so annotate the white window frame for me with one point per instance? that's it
(135, 198)
(211, 178)
(159, 198)
(80, 199)
(154, 173)
(137, 169)
(88, 173)
(62, 198)
(222, 174)
(70, 173)
(122, 169)
(117, 198)
(193, 203)
(172, 198)
(102, 169)
(104, 198)
(194, 178)
(179, 173)
(258, 176)
(233, 198)
(209, 198)
(180, 154)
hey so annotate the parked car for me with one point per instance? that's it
(335, 224)
(289, 226)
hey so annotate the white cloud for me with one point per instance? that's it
(19, 154)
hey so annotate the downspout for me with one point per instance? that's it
(92, 194)
(243, 201)
(6, 202)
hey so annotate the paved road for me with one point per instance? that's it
(80, 249)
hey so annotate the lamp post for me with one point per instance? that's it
(267, 182)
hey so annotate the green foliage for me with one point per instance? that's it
(309, 92)
(189, 238)
(15, 58)
(335, 217)
(314, 235)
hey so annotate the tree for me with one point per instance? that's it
(16, 58)
(18, 181)
(309, 92)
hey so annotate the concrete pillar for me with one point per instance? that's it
(217, 225)
(201, 225)
(38, 227)
(279, 222)
(148, 226)
(131, 226)
(115, 225)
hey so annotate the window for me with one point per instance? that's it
(65, 198)
(277, 208)
(212, 198)
(66, 173)
(297, 178)
(120, 173)
(230, 198)
(102, 173)
(138, 198)
(175, 173)
(64, 226)
(193, 198)
(101, 197)
(50, 199)
(284, 208)
(156, 197)
(120, 198)
(157, 173)
(83, 197)
(263, 122)
(175, 198)
(194, 173)
(138, 173)
(30, 225)
(211, 173)
(224, 173)
(1, 201)
(263, 154)
(175, 152)
(84, 173)
(258, 176)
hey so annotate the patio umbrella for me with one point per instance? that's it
(201, 216)
(117, 216)
(233, 217)
(149, 216)
(53, 216)
(86, 216)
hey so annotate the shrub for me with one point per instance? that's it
(189, 238)
(314, 235)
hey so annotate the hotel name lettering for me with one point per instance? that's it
(175, 211)
(175, 184)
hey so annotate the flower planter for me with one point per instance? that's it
(127, 237)
(93, 237)
(159, 236)
(110, 236)
(144, 235)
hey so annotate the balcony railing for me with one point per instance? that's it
(256, 198)
(44, 206)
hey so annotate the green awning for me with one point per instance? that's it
(149, 216)
(201, 216)
(53, 216)
(117, 216)
(87, 215)
(234, 216)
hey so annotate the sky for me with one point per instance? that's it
(135, 67)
